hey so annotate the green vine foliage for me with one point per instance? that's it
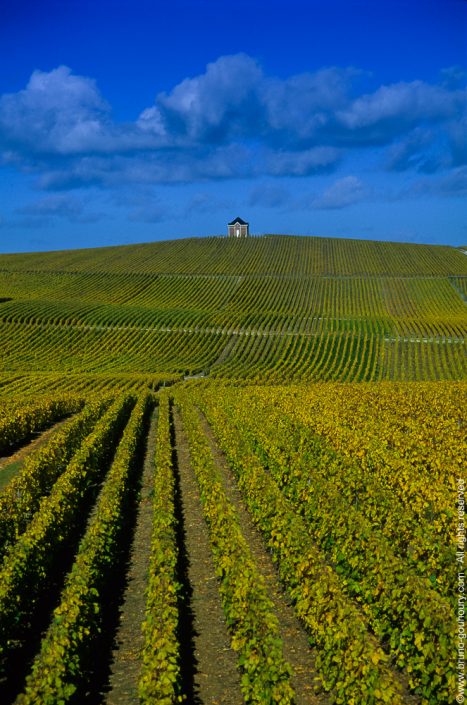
(248, 610)
(57, 670)
(20, 499)
(27, 565)
(160, 677)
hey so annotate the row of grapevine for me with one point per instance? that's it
(57, 670)
(249, 612)
(356, 508)
(400, 463)
(103, 317)
(20, 499)
(209, 292)
(352, 665)
(23, 386)
(280, 304)
(346, 356)
(28, 563)
(66, 349)
(160, 679)
(335, 507)
(415, 435)
(273, 254)
(19, 422)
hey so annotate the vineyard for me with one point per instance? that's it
(229, 473)
(271, 309)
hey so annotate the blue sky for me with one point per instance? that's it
(136, 121)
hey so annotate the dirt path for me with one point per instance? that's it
(295, 641)
(216, 680)
(125, 666)
(225, 352)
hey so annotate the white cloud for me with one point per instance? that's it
(57, 112)
(402, 104)
(232, 121)
(303, 105)
(215, 104)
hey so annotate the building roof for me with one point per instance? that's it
(238, 221)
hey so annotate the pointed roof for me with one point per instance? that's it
(238, 221)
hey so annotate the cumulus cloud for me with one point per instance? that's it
(233, 99)
(232, 121)
(300, 109)
(153, 167)
(222, 103)
(391, 110)
(57, 112)
(62, 115)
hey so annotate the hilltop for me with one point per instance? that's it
(270, 254)
(276, 308)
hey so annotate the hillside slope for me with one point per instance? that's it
(271, 254)
(275, 308)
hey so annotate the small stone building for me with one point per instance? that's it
(238, 228)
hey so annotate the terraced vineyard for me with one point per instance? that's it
(280, 529)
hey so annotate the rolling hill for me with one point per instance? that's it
(285, 527)
(275, 309)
